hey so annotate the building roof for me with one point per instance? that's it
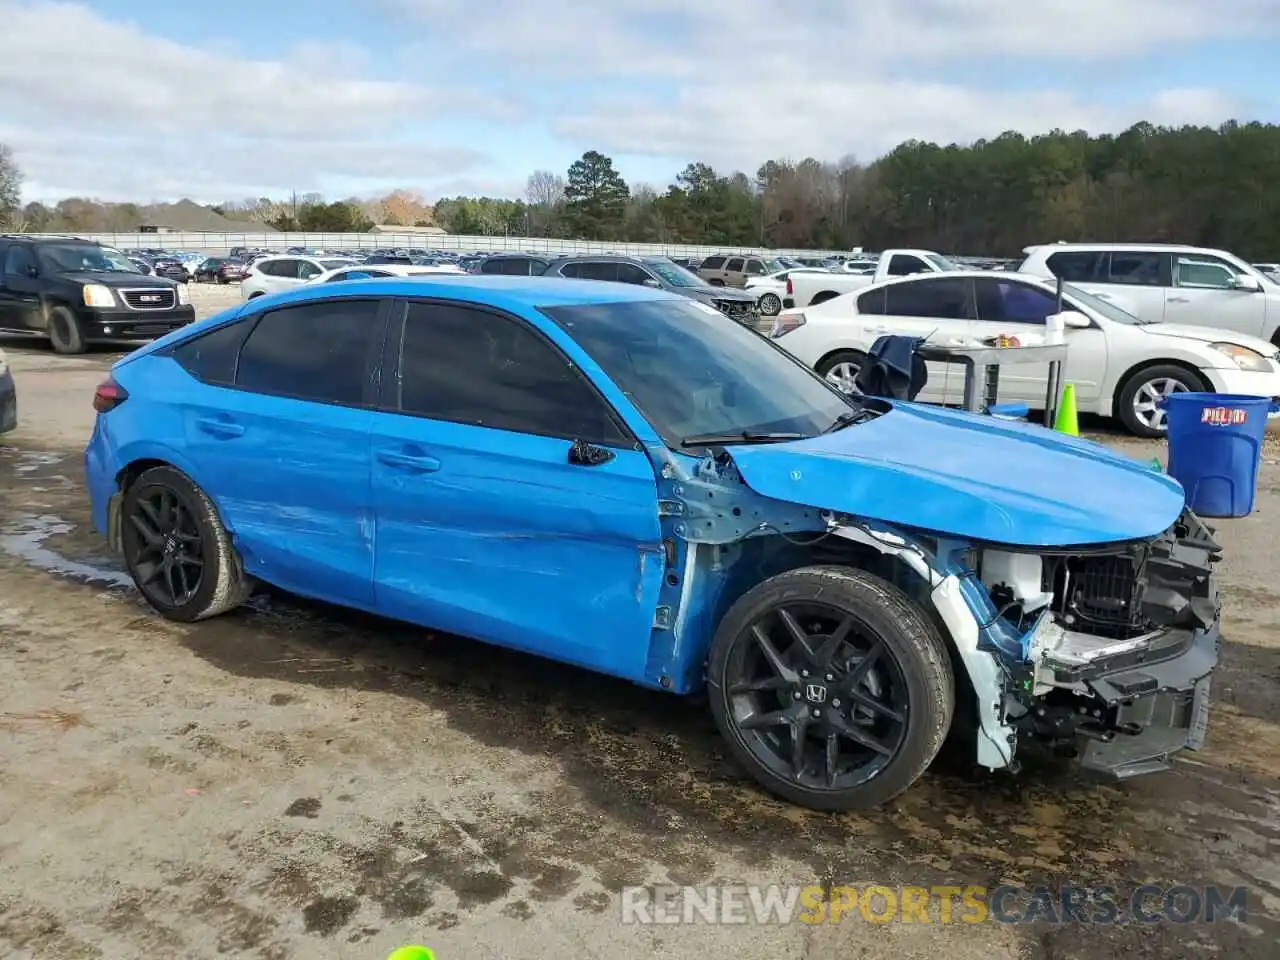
(187, 216)
(396, 228)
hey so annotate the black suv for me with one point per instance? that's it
(77, 291)
(661, 273)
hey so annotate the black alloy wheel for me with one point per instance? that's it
(831, 687)
(165, 548)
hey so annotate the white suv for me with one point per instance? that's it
(1167, 283)
(277, 274)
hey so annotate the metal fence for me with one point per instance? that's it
(222, 242)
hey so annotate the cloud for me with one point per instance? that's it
(735, 82)
(139, 116)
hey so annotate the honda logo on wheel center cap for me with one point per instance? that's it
(816, 693)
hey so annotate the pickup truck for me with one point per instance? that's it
(810, 289)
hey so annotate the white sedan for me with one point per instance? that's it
(769, 290)
(1121, 366)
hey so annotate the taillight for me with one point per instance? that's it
(791, 290)
(109, 395)
(785, 323)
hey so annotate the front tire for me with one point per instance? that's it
(1137, 403)
(64, 331)
(831, 687)
(770, 305)
(177, 550)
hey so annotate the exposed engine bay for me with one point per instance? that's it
(1117, 645)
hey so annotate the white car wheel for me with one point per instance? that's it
(770, 305)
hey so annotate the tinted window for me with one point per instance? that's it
(571, 270)
(1203, 272)
(19, 261)
(307, 269)
(470, 366)
(1004, 301)
(630, 273)
(212, 357)
(599, 270)
(712, 263)
(950, 299)
(734, 265)
(755, 267)
(1075, 267)
(871, 303)
(279, 268)
(1141, 269)
(315, 351)
(493, 266)
(903, 265)
(689, 372)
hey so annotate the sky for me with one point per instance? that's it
(145, 101)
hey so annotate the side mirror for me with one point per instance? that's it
(1246, 281)
(653, 283)
(1075, 320)
(33, 271)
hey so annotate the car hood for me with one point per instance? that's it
(970, 476)
(1208, 335)
(714, 293)
(119, 279)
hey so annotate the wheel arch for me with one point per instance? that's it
(823, 296)
(1127, 377)
(836, 351)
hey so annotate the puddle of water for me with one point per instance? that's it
(32, 462)
(25, 538)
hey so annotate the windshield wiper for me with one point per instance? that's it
(848, 419)
(745, 436)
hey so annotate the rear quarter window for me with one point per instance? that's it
(211, 357)
(712, 263)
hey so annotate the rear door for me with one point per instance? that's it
(936, 308)
(19, 290)
(489, 523)
(279, 434)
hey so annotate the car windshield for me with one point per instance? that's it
(1104, 307)
(83, 257)
(693, 372)
(942, 263)
(673, 274)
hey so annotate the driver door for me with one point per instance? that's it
(1019, 309)
(1203, 295)
(489, 523)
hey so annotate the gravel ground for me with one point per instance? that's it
(294, 780)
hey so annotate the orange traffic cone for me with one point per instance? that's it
(1067, 421)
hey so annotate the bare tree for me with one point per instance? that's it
(10, 188)
(544, 189)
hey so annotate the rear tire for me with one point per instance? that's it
(847, 698)
(841, 369)
(716, 283)
(770, 305)
(167, 519)
(64, 331)
(1135, 398)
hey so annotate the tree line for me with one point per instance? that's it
(1216, 187)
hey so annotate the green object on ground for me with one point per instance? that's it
(411, 953)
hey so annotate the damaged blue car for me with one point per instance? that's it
(619, 478)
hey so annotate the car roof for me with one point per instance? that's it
(1119, 247)
(506, 292)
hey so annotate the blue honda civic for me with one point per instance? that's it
(623, 479)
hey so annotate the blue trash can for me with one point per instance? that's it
(1215, 445)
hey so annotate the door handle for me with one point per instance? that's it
(220, 428)
(1179, 300)
(413, 462)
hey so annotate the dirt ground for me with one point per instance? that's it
(297, 781)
